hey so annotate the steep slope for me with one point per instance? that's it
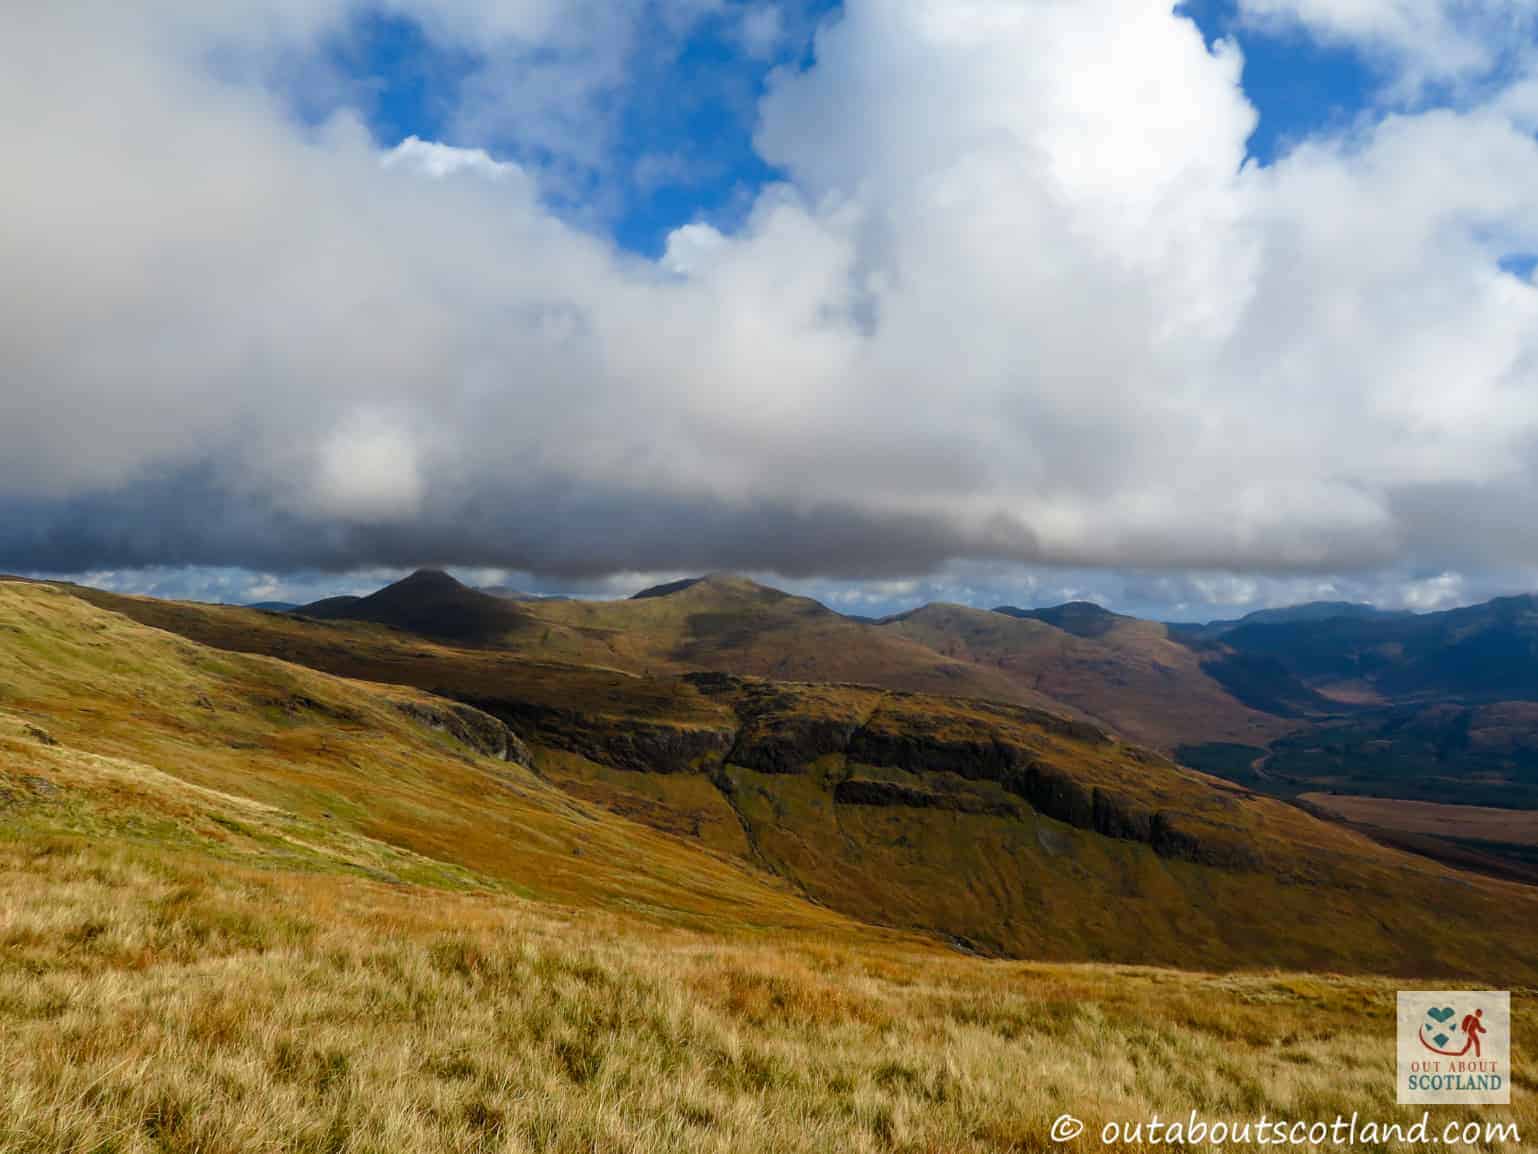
(1126, 673)
(171, 999)
(143, 735)
(1008, 830)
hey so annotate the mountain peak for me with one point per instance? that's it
(432, 603)
(1082, 618)
(667, 589)
(720, 584)
(429, 578)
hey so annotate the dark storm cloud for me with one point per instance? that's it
(192, 519)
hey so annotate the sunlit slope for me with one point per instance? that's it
(1127, 674)
(1081, 660)
(135, 731)
(720, 623)
(164, 999)
(1013, 831)
(250, 907)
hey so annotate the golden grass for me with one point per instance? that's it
(245, 907)
(155, 1003)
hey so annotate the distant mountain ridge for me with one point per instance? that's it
(1008, 830)
(1081, 618)
(433, 604)
(1328, 695)
(1307, 612)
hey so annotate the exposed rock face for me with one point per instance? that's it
(623, 742)
(989, 759)
(1111, 814)
(790, 744)
(785, 730)
(864, 791)
(471, 727)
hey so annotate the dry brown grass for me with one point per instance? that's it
(153, 1002)
(246, 907)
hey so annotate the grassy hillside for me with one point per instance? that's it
(158, 1001)
(1127, 674)
(251, 907)
(109, 711)
(720, 623)
(1130, 675)
(1013, 831)
(733, 625)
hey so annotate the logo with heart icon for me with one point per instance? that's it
(1454, 1046)
(1444, 1032)
(1439, 1029)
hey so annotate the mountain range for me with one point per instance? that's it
(1317, 699)
(960, 772)
(276, 882)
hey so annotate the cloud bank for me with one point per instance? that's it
(1018, 298)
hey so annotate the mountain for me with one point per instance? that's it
(1310, 611)
(1434, 708)
(1127, 674)
(718, 622)
(1011, 831)
(326, 609)
(433, 604)
(1081, 618)
(1319, 611)
(1079, 659)
(273, 606)
(667, 589)
(250, 906)
(1332, 697)
(1482, 652)
(733, 625)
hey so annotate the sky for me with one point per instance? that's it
(1188, 310)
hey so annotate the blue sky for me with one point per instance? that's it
(885, 301)
(683, 148)
(683, 127)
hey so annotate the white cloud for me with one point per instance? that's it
(442, 160)
(1020, 298)
(1440, 592)
(1426, 41)
(367, 470)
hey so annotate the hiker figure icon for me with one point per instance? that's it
(1472, 1028)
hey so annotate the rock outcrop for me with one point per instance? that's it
(471, 727)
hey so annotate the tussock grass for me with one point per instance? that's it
(155, 1003)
